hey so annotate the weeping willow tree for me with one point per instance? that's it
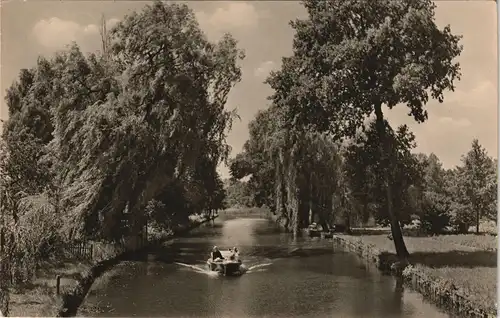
(326, 170)
(92, 139)
(301, 153)
(123, 135)
(306, 179)
(303, 169)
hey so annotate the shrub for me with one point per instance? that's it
(37, 235)
(434, 221)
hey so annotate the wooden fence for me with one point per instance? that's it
(91, 250)
(80, 250)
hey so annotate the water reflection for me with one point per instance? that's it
(240, 232)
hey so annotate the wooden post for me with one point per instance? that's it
(58, 284)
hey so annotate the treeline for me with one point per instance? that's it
(238, 194)
(352, 61)
(342, 183)
(97, 146)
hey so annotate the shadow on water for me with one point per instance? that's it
(456, 259)
(284, 277)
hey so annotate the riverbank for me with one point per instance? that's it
(40, 299)
(456, 272)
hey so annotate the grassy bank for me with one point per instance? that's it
(39, 298)
(463, 266)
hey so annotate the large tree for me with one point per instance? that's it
(479, 182)
(352, 57)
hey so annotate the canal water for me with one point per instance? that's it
(284, 278)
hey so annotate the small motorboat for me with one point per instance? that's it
(226, 267)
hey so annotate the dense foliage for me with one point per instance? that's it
(424, 192)
(239, 194)
(98, 146)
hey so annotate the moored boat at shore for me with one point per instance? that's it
(313, 232)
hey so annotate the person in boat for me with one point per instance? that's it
(216, 254)
(234, 254)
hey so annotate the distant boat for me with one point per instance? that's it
(315, 230)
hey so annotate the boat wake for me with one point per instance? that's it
(198, 269)
(244, 270)
(258, 268)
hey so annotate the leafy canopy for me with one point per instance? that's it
(351, 55)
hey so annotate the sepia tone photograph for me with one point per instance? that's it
(315, 158)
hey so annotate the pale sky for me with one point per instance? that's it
(31, 28)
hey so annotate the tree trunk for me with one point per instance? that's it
(463, 228)
(385, 153)
(477, 219)
(277, 189)
(4, 273)
(4, 260)
(292, 196)
(281, 210)
(311, 213)
(347, 211)
(397, 233)
(348, 224)
(280, 188)
(13, 268)
(104, 36)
